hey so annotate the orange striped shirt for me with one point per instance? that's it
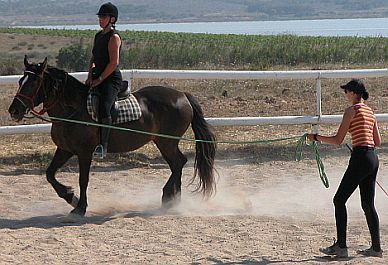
(361, 126)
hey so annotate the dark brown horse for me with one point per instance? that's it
(164, 111)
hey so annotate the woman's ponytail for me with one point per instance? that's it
(365, 95)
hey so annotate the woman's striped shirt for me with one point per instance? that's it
(361, 126)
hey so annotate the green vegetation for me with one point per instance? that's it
(75, 57)
(204, 51)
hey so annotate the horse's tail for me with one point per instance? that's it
(205, 150)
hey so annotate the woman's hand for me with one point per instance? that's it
(311, 137)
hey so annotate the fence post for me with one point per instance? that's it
(319, 102)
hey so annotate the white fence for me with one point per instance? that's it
(318, 75)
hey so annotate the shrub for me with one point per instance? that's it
(74, 57)
(11, 67)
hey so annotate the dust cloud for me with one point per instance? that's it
(299, 198)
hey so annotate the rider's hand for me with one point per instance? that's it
(95, 83)
(88, 82)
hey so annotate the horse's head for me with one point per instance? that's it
(31, 89)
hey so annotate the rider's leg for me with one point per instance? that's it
(109, 91)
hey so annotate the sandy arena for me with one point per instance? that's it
(268, 208)
(276, 212)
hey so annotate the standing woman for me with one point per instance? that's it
(359, 120)
(104, 73)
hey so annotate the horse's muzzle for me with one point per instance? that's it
(17, 110)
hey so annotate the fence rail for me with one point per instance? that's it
(318, 75)
(213, 74)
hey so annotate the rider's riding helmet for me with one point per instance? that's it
(108, 9)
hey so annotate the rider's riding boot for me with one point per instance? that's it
(101, 149)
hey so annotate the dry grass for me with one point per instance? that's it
(17, 45)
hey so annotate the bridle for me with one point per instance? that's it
(19, 96)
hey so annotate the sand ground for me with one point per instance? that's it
(276, 212)
(268, 209)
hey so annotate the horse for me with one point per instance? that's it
(165, 111)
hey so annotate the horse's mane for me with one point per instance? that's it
(64, 77)
(56, 72)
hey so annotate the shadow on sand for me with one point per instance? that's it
(266, 260)
(59, 220)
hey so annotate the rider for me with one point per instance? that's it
(104, 74)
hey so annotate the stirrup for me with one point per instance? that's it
(99, 152)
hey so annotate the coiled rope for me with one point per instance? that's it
(314, 145)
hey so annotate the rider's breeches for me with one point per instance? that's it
(109, 90)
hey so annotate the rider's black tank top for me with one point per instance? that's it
(101, 52)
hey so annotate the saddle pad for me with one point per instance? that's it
(128, 109)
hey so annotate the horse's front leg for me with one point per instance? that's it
(60, 158)
(84, 169)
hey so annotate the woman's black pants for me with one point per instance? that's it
(361, 172)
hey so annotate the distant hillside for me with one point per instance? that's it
(54, 12)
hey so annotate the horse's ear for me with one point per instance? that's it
(42, 67)
(44, 64)
(26, 63)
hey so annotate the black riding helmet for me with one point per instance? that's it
(108, 9)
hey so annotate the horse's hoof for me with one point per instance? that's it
(78, 212)
(170, 202)
(74, 201)
(71, 218)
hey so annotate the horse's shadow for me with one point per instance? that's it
(266, 260)
(126, 161)
(59, 220)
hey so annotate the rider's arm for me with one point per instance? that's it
(91, 65)
(90, 72)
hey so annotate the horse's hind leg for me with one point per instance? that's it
(176, 160)
(59, 159)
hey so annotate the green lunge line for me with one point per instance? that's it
(46, 117)
(302, 141)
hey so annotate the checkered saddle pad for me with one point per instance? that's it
(127, 109)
